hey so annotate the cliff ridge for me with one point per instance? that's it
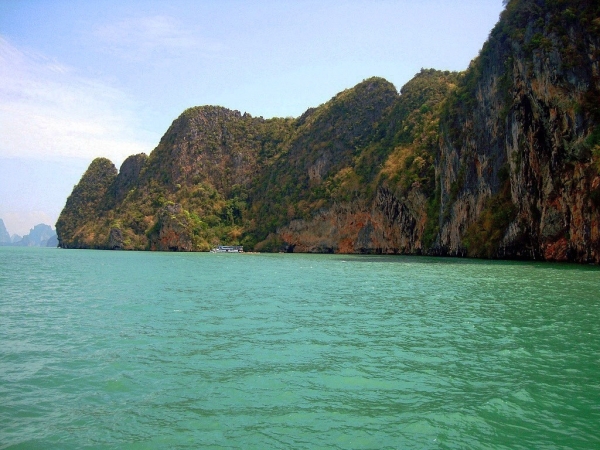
(499, 161)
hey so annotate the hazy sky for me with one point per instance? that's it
(81, 79)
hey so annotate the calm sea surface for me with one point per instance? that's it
(162, 350)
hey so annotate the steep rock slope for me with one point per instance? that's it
(517, 169)
(499, 161)
(4, 236)
(317, 165)
(188, 195)
(89, 201)
(40, 235)
(380, 200)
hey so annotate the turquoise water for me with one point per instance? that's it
(162, 350)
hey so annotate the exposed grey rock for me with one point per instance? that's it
(115, 239)
(4, 236)
(38, 236)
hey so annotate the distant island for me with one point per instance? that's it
(501, 160)
(40, 235)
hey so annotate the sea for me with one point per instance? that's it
(148, 350)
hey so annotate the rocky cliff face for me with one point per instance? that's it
(128, 178)
(381, 200)
(4, 236)
(386, 225)
(171, 231)
(77, 225)
(210, 145)
(499, 161)
(516, 166)
(40, 235)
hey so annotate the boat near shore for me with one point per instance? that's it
(228, 249)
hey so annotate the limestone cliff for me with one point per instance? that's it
(40, 235)
(171, 231)
(380, 201)
(516, 167)
(499, 161)
(76, 226)
(4, 236)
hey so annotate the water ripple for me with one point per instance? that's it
(152, 350)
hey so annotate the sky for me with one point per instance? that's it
(84, 79)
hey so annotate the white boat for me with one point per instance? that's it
(228, 249)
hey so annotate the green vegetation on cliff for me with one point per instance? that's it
(501, 160)
(318, 163)
(76, 227)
